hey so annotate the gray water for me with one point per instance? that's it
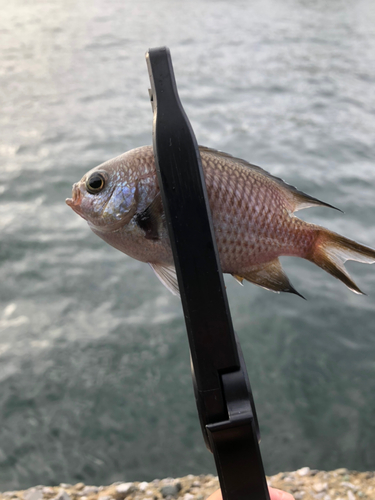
(95, 379)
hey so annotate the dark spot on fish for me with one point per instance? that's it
(151, 219)
(146, 224)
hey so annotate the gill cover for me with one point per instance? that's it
(121, 203)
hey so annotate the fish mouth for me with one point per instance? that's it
(76, 197)
(75, 201)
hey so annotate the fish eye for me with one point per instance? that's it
(95, 183)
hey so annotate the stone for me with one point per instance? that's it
(320, 487)
(47, 490)
(125, 489)
(305, 471)
(65, 485)
(79, 486)
(351, 495)
(143, 486)
(170, 490)
(346, 484)
(62, 495)
(89, 490)
(298, 495)
(33, 494)
(211, 483)
(188, 496)
(341, 471)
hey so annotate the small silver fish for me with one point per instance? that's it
(252, 215)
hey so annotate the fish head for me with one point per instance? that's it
(105, 197)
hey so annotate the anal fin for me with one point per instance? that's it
(269, 275)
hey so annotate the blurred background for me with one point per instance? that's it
(95, 381)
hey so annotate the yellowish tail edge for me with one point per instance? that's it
(331, 251)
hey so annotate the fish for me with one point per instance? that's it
(252, 213)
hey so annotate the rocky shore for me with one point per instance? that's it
(304, 484)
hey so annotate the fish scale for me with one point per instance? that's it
(252, 212)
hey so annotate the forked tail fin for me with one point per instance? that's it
(331, 251)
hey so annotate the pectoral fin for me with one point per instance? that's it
(270, 276)
(167, 275)
(239, 279)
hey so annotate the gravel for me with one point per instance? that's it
(304, 484)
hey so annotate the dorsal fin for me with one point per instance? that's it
(269, 275)
(297, 199)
